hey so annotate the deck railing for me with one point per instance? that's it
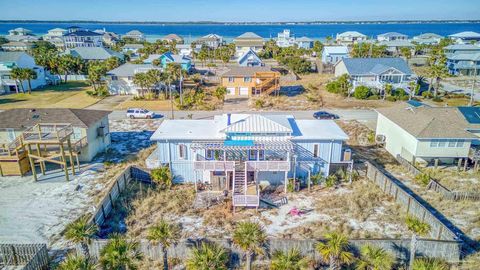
(47, 132)
(268, 166)
(246, 200)
(214, 165)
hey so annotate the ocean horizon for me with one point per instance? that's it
(192, 31)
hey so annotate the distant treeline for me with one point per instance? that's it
(248, 23)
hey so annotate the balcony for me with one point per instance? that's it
(268, 166)
(200, 163)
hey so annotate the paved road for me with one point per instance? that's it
(349, 114)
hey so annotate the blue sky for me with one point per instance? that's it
(238, 10)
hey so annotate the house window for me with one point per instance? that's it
(442, 143)
(452, 143)
(315, 150)
(434, 143)
(114, 78)
(209, 154)
(253, 155)
(130, 78)
(247, 79)
(182, 151)
(261, 154)
(231, 79)
(460, 143)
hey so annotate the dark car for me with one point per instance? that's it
(325, 115)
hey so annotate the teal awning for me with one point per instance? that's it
(239, 143)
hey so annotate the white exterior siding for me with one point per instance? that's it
(396, 138)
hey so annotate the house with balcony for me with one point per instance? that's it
(21, 34)
(90, 135)
(463, 59)
(135, 35)
(170, 38)
(391, 36)
(248, 41)
(250, 81)
(212, 41)
(79, 37)
(239, 152)
(427, 39)
(466, 37)
(350, 37)
(304, 43)
(120, 79)
(333, 54)
(94, 53)
(376, 72)
(55, 36)
(17, 46)
(249, 59)
(285, 39)
(132, 50)
(187, 50)
(10, 60)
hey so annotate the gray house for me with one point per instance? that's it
(94, 53)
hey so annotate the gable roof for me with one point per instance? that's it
(429, 122)
(57, 30)
(94, 53)
(256, 123)
(366, 66)
(336, 49)
(82, 33)
(428, 36)
(134, 33)
(304, 39)
(25, 117)
(176, 58)
(249, 35)
(133, 46)
(172, 37)
(16, 44)
(392, 34)
(351, 34)
(462, 47)
(129, 69)
(397, 43)
(245, 71)
(210, 37)
(250, 52)
(11, 56)
(466, 34)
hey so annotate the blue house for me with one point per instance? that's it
(463, 59)
(168, 57)
(239, 152)
(333, 54)
(249, 59)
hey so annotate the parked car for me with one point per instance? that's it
(323, 115)
(139, 113)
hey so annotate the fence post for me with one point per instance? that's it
(408, 205)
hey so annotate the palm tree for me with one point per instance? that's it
(165, 234)
(162, 176)
(289, 260)
(374, 258)
(77, 263)
(29, 75)
(430, 264)
(141, 80)
(249, 237)
(208, 256)
(335, 250)
(417, 227)
(81, 232)
(16, 75)
(172, 74)
(437, 68)
(120, 254)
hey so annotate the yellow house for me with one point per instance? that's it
(250, 81)
(90, 127)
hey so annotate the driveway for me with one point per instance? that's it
(109, 103)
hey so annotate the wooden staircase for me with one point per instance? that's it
(269, 82)
(239, 179)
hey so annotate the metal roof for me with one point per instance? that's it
(249, 35)
(336, 49)
(471, 114)
(364, 66)
(256, 123)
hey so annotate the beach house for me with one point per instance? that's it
(212, 41)
(248, 41)
(249, 59)
(21, 34)
(350, 37)
(376, 72)
(55, 36)
(463, 59)
(333, 54)
(184, 61)
(465, 37)
(250, 81)
(134, 35)
(285, 39)
(170, 38)
(132, 49)
(120, 79)
(390, 36)
(10, 60)
(78, 37)
(426, 134)
(304, 43)
(427, 38)
(240, 152)
(17, 46)
(94, 53)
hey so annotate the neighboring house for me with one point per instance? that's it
(132, 49)
(239, 152)
(10, 60)
(350, 37)
(90, 135)
(55, 36)
(249, 59)
(248, 41)
(186, 49)
(333, 54)
(78, 37)
(426, 133)
(109, 38)
(463, 59)
(17, 46)
(184, 61)
(211, 40)
(94, 53)
(304, 43)
(170, 38)
(465, 37)
(376, 72)
(120, 79)
(427, 39)
(250, 81)
(285, 39)
(135, 35)
(20, 32)
(394, 46)
(391, 36)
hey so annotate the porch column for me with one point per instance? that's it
(465, 165)
(285, 182)
(459, 165)
(309, 179)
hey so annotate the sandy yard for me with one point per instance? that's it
(37, 212)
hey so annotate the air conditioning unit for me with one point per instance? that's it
(102, 131)
(380, 139)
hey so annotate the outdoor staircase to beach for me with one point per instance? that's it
(268, 86)
(239, 179)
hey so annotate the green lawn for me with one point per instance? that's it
(70, 95)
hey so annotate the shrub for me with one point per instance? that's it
(331, 180)
(430, 263)
(417, 226)
(391, 98)
(374, 97)
(333, 87)
(427, 94)
(162, 177)
(317, 179)
(423, 179)
(437, 99)
(362, 92)
(259, 103)
(403, 98)
(291, 185)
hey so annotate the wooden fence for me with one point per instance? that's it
(437, 187)
(400, 248)
(24, 256)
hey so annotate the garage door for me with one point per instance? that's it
(243, 91)
(230, 91)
